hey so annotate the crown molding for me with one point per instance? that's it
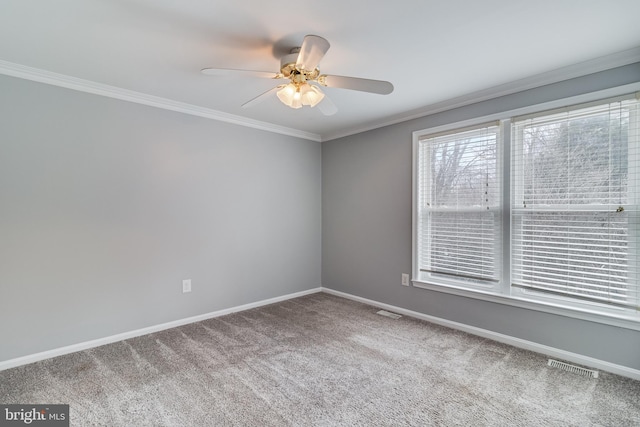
(74, 83)
(592, 66)
(596, 65)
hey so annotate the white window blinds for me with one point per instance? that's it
(459, 236)
(575, 183)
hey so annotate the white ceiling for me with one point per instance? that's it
(432, 51)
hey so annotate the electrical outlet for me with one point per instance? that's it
(186, 286)
(405, 279)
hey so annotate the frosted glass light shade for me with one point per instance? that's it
(296, 101)
(296, 96)
(311, 95)
(286, 94)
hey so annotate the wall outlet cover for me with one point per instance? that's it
(405, 279)
(186, 286)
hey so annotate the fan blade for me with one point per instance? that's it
(248, 73)
(311, 52)
(258, 99)
(327, 107)
(354, 83)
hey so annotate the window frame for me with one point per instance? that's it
(487, 283)
(518, 188)
(503, 294)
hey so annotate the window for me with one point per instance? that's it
(460, 207)
(572, 207)
(540, 208)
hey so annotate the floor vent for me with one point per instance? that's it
(573, 369)
(389, 314)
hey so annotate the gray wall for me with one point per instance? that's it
(105, 206)
(366, 229)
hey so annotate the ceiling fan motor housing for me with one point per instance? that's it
(288, 64)
(288, 67)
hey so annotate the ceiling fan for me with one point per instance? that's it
(300, 67)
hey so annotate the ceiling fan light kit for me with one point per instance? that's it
(295, 96)
(301, 67)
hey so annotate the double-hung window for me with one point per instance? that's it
(574, 207)
(542, 208)
(459, 210)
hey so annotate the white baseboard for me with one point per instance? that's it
(505, 339)
(24, 360)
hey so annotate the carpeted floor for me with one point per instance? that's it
(319, 360)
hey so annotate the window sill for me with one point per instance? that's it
(622, 321)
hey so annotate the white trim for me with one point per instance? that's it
(81, 85)
(24, 360)
(415, 175)
(581, 69)
(619, 321)
(618, 59)
(536, 108)
(505, 339)
(611, 318)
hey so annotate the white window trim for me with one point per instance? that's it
(486, 283)
(554, 306)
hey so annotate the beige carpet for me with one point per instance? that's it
(319, 360)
